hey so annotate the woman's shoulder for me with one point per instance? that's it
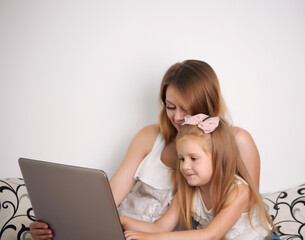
(149, 131)
(242, 136)
(248, 152)
(146, 137)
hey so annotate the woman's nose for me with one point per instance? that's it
(179, 115)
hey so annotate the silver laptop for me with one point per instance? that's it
(76, 202)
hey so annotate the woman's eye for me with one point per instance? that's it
(170, 108)
(181, 159)
(194, 158)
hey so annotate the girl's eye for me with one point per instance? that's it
(194, 158)
(181, 159)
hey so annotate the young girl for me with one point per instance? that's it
(215, 194)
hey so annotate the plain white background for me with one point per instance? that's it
(78, 79)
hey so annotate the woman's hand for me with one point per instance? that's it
(40, 231)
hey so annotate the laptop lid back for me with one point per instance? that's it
(76, 202)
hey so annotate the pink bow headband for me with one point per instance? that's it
(204, 122)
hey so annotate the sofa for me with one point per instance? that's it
(287, 209)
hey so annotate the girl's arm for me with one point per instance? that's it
(123, 180)
(238, 202)
(167, 222)
(249, 153)
(180, 235)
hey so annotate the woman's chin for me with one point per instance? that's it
(178, 127)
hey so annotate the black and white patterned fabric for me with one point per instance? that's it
(287, 210)
(16, 212)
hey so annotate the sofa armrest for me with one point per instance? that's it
(287, 210)
(16, 212)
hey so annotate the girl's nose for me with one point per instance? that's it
(185, 165)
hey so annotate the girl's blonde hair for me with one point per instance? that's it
(227, 163)
(199, 87)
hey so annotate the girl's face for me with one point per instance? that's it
(195, 164)
(174, 110)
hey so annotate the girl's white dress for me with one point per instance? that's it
(152, 194)
(241, 230)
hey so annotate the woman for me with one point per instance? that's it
(187, 88)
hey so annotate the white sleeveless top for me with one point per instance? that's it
(152, 194)
(241, 230)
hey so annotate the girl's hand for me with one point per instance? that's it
(124, 221)
(130, 223)
(132, 235)
(40, 231)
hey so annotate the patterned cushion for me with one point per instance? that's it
(16, 212)
(287, 209)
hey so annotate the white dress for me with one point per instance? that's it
(241, 230)
(152, 194)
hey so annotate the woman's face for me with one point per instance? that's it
(174, 110)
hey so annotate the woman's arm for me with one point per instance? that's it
(123, 180)
(167, 222)
(249, 153)
(237, 203)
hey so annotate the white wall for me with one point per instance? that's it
(79, 78)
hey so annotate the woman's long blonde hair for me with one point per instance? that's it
(227, 163)
(199, 87)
